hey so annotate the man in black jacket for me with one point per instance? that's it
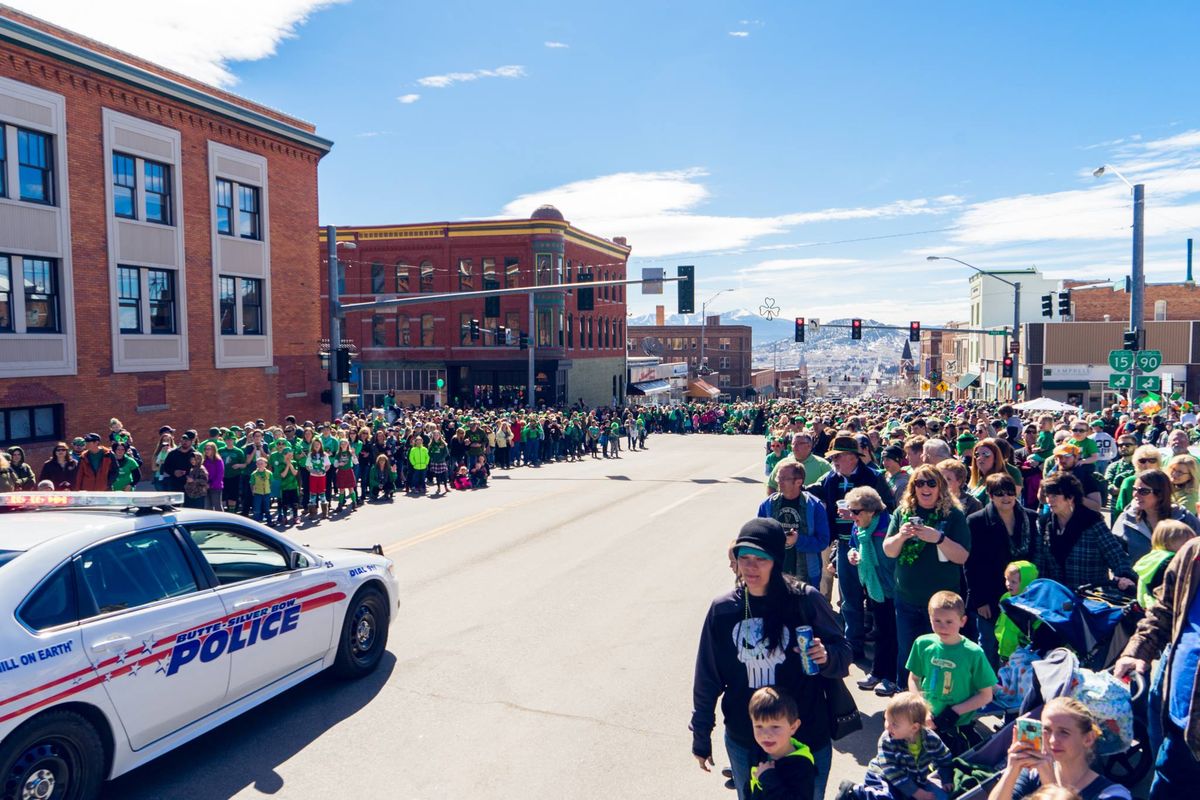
(849, 472)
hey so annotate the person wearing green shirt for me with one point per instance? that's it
(126, 466)
(614, 438)
(1118, 471)
(593, 436)
(1081, 437)
(418, 460)
(439, 454)
(288, 477)
(234, 458)
(815, 467)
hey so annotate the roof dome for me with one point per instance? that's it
(547, 212)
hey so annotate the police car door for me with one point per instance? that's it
(282, 618)
(144, 611)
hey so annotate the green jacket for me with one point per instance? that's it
(1008, 634)
(418, 457)
(1147, 568)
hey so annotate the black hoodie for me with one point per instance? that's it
(720, 673)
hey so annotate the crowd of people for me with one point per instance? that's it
(925, 515)
(280, 473)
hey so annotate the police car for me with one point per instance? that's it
(128, 627)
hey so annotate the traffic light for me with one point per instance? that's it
(586, 298)
(799, 329)
(856, 329)
(524, 339)
(341, 366)
(687, 290)
(1064, 303)
(474, 330)
(1048, 305)
(499, 336)
(1131, 340)
(1020, 387)
(914, 331)
(1007, 370)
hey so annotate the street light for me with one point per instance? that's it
(1137, 283)
(703, 325)
(1016, 331)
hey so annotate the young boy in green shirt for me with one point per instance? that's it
(260, 489)
(288, 477)
(951, 672)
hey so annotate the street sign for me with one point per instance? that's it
(652, 280)
(1015, 347)
(1119, 380)
(1120, 360)
(1149, 360)
(1147, 383)
(943, 386)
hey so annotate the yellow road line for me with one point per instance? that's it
(436, 532)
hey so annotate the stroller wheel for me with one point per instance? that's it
(1130, 767)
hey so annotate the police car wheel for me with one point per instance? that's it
(364, 634)
(57, 756)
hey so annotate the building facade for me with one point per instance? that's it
(578, 355)
(145, 220)
(727, 350)
(1110, 302)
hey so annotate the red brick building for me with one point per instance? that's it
(143, 218)
(578, 354)
(1161, 301)
(728, 351)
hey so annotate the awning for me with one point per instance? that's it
(966, 380)
(699, 388)
(650, 387)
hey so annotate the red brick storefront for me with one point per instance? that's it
(158, 317)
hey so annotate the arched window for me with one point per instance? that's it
(426, 276)
(570, 332)
(401, 277)
(377, 279)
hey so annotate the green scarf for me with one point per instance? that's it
(868, 564)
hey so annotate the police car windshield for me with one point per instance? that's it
(7, 556)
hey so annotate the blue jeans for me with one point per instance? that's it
(741, 759)
(262, 508)
(1176, 770)
(911, 622)
(987, 638)
(851, 590)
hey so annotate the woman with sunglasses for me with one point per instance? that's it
(1184, 472)
(1145, 457)
(988, 459)
(929, 538)
(1000, 534)
(1151, 503)
(877, 573)
(60, 468)
(1073, 545)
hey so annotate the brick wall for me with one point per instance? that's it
(1091, 304)
(202, 395)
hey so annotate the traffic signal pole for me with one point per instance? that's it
(1016, 338)
(335, 324)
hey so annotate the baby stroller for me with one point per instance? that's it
(1077, 637)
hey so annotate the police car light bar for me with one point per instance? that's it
(89, 499)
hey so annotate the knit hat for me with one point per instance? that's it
(765, 535)
(894, 452)
(966, 441)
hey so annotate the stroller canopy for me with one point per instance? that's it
(1066, 619)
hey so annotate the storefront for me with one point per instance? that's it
(1086, 385)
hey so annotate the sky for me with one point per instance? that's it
(812, 153)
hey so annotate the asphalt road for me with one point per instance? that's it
(544, 648)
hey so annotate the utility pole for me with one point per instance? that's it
(530, 402)
(335, 323)
(1137, 284)
(1016, 333)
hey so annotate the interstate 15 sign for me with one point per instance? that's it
(1120, 360)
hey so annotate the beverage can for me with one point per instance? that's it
(804, 640)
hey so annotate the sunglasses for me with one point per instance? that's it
(1142, 491)
(1147, 461)
(1079, 430)
(60, 449)
(928, 483)
(1003, 493)
(855, 511)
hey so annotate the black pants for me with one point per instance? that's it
(884, 663)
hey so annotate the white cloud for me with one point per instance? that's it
(451, 78)
(657, 212)
(739, 34)
(372, 134)
(557, 45)
(408, 99)
(793, 264)
(198, 42)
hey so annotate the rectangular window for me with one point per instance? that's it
(3, 161)
(427, 330)
(724, 362)
(224, 206)
(512, 273)
(489, 332)
(466, 275)
(252, 319)
(403, 337)
(36, 173)
(41, 296)
(401, 278)
(512, 321)
(464, 328)
(124, 186)
(6, 320)
(426, 276)
(379, 326)
(249, 221)
(129, 299)
(544, 271)
(228, 306)
(160, 289)
(158, 192)
(489, 274)
(545, 336)
(31, 424)
(570, 331)
(377, 278)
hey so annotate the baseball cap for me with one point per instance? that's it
(165, 429)
(78, 440)
(1066, 449)
(91, 437)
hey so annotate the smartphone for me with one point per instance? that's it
(1029, 731)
